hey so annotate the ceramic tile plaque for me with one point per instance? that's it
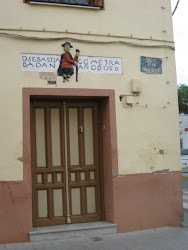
(87, 64)
(151, 65)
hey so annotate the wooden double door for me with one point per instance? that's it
(65, 162)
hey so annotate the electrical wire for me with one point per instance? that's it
(83, 34)
(84, 41)
(175, 7)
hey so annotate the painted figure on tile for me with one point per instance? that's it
(66, 69)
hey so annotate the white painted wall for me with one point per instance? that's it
(151, 125)
(144, 19)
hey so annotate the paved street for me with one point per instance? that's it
(185, 201)
(185, 194)
(163, 238)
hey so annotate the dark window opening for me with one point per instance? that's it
(90, 3)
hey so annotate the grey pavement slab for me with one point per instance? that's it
(19, 246)
(39, 246)
(74, 244)
(185, 222)
(164, 238)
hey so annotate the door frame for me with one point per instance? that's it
(108, 160)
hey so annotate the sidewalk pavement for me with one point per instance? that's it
(164, 238)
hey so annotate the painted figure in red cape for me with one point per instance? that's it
(66, 69)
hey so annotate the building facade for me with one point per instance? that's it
(183, 130)
(105, 147)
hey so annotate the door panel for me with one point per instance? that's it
(40, 137)
(58, 202)
(48, 172)
(65, 162)
(88, 136)
(55, 133)
(74, 159)
(84, 183)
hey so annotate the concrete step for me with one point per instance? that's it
(68, 231)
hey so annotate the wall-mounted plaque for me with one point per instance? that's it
(87, 64)
(151, 65)
(100, 65)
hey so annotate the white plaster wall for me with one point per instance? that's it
(144, 19)
(148, 133)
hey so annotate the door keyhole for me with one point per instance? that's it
(81, 129)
